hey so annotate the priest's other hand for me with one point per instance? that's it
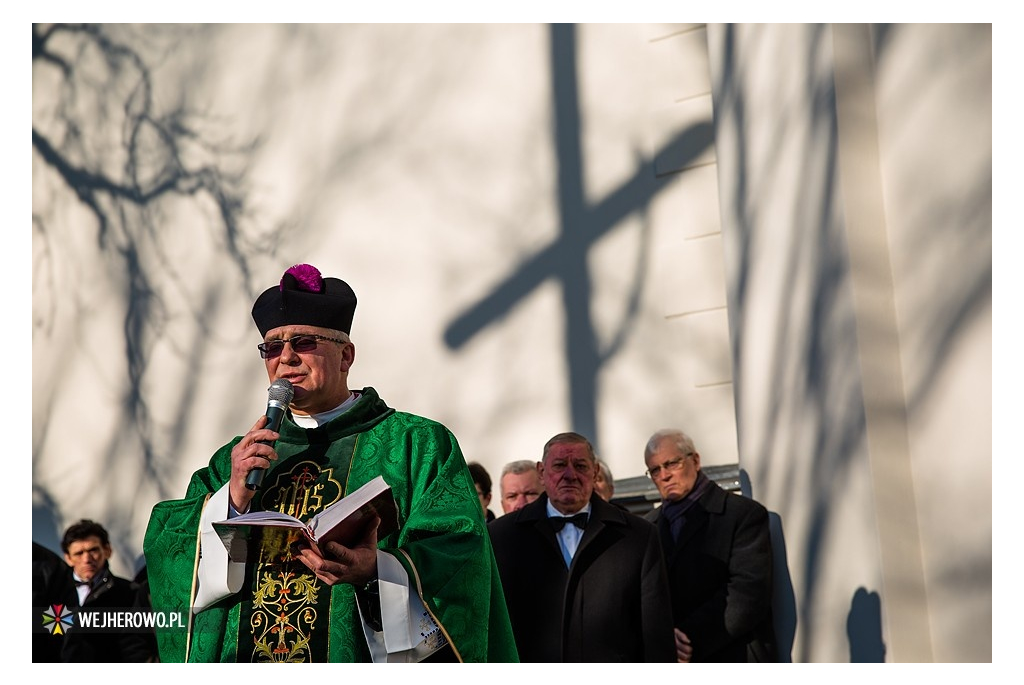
(340, 564)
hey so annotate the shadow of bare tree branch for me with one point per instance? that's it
(131, 164)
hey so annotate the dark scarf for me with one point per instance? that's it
(675, 511)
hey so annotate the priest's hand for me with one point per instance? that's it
(250, 453)
(340, 564)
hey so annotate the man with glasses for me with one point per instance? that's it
(719, 557)
(427, 591)
(584, 581)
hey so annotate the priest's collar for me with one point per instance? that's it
(317, 420)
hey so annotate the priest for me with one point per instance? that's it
(428, 591)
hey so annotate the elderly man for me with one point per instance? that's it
(425, 591)
(604, 482)
(719, 558)
(583, 580)
(520, 485)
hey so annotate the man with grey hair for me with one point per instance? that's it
(402, 595)
(604, 482)
(583, 580)
(719, 556)
(520, 485)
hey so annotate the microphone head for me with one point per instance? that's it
(281, 391)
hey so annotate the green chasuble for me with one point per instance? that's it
(285, 613)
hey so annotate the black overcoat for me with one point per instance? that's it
(611, 605)
(720, 573)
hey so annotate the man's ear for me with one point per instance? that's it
(348, 357)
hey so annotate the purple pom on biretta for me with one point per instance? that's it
(307, 277)
(305, 298)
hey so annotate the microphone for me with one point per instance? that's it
(280, 394)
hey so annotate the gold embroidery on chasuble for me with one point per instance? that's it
(287, 618)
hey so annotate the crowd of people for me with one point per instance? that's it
(566, 574)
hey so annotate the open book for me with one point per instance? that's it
(343, 522)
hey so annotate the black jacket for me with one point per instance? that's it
(720, 572)
(612, 605)
(124, 646)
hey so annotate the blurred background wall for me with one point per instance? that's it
(856, 194)
(775, 237)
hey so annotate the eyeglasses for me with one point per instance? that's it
(669, 466)
(300, 343)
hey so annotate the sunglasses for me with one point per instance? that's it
(300, 343)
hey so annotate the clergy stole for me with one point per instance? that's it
(286, 611)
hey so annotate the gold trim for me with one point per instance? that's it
(419, 591)
(330, 588)
(351, 463)
(195, 578)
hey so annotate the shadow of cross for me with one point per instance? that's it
(581, 227)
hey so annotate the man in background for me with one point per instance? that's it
(719, 557)
(520, 485)
(482, 482)
(604, 483)
(584, 581)
(95, 588)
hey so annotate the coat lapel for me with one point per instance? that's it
(535, 516)
(602, 515)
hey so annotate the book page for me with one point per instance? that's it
(343, 522)
(347, 506)
(244, 535)
(263, 518)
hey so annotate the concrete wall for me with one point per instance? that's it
(855, 179)
(524, 211)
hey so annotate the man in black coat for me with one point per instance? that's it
(718, 550)
(589, 587)
(87, 550)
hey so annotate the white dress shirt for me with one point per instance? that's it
(569, 537)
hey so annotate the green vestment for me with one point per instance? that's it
(283, 612)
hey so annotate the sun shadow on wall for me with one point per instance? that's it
(784, 613)
(582, 225)
(864, 628)
(104, 145)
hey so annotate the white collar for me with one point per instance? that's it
(317, 420)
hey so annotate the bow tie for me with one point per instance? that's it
(579, 520)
